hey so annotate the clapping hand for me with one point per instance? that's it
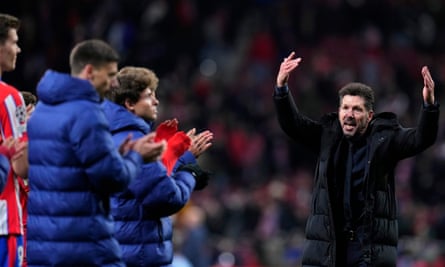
(428, 86)
(145, 146)
(200, 142)
(17, 152)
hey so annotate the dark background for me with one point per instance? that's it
(217, 62)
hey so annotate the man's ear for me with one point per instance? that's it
(371, 115)
(87, 72)
(129, 105)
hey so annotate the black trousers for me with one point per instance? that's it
(354, 254)
(350, 249)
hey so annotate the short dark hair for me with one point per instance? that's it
(29, 98)
(358, 89)
(95, 52)
(7, 22)
(132, 82)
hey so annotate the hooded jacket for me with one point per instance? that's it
(73, 168)
(388, 143)
(143, 226)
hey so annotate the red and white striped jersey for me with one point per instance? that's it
(12, 123)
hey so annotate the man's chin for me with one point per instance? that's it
(150, 118)
(9, 68)
(349, 134)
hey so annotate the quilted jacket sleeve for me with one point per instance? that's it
(106, 169)
(159, 193)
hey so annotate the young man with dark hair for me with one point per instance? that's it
(75, 166)
(162, 188)
(12, 124)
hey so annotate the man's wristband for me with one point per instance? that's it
(431, 106)
(281, 90)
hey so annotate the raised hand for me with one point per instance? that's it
(200, 142)
(287, 66)
(428, 86)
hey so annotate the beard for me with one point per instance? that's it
(359, 129)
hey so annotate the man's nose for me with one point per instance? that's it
(349, 113)
(114, 82)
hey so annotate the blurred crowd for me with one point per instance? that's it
(218, 60)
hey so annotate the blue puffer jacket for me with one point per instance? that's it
(74, 167)
(141, 212)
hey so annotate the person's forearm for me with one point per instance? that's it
(21, 165)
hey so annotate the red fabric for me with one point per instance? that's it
(13, 210)
(177, 143)
(24, 191)
(7, 152)
(12, 251)
(12, 113)
(165, 131)
(176, 146)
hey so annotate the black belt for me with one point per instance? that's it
(351, 235)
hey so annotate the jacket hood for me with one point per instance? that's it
(56, 87)
(120, 118)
